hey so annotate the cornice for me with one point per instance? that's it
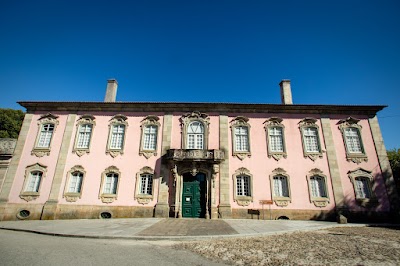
(169, 107)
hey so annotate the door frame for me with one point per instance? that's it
(209, 193)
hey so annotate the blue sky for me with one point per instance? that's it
(334, 52)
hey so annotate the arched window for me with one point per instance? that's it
(363, 183)
(195, 135)
(280, 186)
(351, 132)
(243, 186)
(109, 184)
(84, 132)
(116, 136)
(275, 138)
(317, 188)
(34, 175)
(46, 127)
(74, 183)
(362, 187)
(33, 183)
(241, 137)
(144, 185)
(310, 138)
(317, 184)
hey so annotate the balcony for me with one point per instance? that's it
(195, 155)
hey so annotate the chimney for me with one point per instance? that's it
(286, 92)
(111, 93)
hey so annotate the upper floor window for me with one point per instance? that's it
(310, 137)
(116, 137)
(46, 125)
(109, 184)
(144, 185)
(240, 137)
(74, 183)
(242, 180)
(195, 130)
(318, 188)
(34, 175)
(148, 144)
(351, 132)
(280, 187)
(362, 183)
(84, 132)
(275, 138)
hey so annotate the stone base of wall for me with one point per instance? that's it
(321, 215)
(10, 212)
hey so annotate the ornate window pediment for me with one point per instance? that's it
(317, 188)
(310, 138)
(110, 180)
(362, 181)
(74, 183)
(34, 175)
(241, 137)
(149, 136)
(195, 129)
(116, 136)
(144, 185)
(84, 132)
(275, 131)
(47, 125)
(280, 187)
(351, 133)
(243, 187)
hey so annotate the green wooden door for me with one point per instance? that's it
(193, 196)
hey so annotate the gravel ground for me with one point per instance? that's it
(335, 246)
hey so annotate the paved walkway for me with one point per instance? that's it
(157, 229)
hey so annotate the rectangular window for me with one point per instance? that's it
(117, 137)
(75, 182)
(362, 188)
(353, 141)
(311, 139)
(146, 184)
(243, 185)
(110, 184)
(241, 139)
(318, 187)
(276, 139)
(34, 182)
(280, 186)
(45, 136)
(84, 135)
(150, 138)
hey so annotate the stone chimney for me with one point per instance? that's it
(286, 92)
(111, 93)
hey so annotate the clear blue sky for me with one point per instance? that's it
(334, 52)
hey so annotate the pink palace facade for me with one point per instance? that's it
(111, 159)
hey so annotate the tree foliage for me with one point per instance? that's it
(394, 159)
(10, 123)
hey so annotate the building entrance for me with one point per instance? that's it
(194, 196)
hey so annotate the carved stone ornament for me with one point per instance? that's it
(143, 201)
(118, 119)
(107, 198)
(150, 120)
(29, 197)
(281, 202)
(48, 118)
(71, 198)
(351, 122)
(83, 120)
(320, 203)
(306, 123)
(7, 146)
(243, 202)
(240, 121)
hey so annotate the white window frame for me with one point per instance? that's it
(84, 120)
(150, 121)
(73, 196)
(360, 173)
(189, 118)
(116, 121)
(271, 124)
(236, 123)
(280, 200)
(45, 121)
(29, 195)
(345, 125)
(318, 200)
(144, 198)
(242, 200)
(306, 124)
(109, 197)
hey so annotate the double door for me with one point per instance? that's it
(193, 196)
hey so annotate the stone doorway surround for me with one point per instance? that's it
(182, 161)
